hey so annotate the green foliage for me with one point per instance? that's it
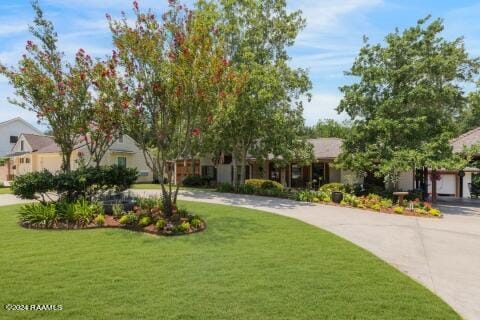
(334, 186)
(313, 196)
(225, 187)
(246, 188)
(264, 184)
(84, 211)
(196, 223)
(117, 210)
(85, 182)
(38, 214)
(129, 219)
(100, 220)
(33, 185)
(160, 224)
(329, 128)
(434, 212)
(406, 103)
(196, 181)
(182, 227)
(144, 221)
(398, 210)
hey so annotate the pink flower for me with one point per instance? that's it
(196, 132)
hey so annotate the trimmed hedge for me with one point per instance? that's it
(264, 184)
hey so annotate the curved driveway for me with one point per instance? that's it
(442, 254)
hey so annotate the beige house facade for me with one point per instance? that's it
(34, 152)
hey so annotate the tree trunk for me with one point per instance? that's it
(66, 160)
(243, 164)
(235, 170)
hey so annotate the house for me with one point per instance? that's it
(9, 132)
(294, 175)
(36, 152)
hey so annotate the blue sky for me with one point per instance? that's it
(327, 47)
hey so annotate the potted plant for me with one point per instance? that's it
(337, 196)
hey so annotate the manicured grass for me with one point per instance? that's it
(246, 265)
(4, 190)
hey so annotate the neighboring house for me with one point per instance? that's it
(295, 175)
(34, 152)
(9, 132)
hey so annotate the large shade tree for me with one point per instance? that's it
(267, 118)
(406, 101)
(56, 90)
(179, 80)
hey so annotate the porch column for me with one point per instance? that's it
(461, 174)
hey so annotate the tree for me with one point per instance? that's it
(105, 112)
(406, 101)
(266, 118)
(179, 81)
(55, 90)
(329, 128)
(470, 117)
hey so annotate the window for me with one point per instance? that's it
(209, 171)
(274, 173)
(22, 160)
(13, 139)
(22, 145)
(27, 160)
(227, 159)
(122, 162)
(120, 139)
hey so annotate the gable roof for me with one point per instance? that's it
(326, 148)
(4, 123)
(467, 139)
(41, 143)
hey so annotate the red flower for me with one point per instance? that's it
(196, 132)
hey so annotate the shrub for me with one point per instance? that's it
(145, 221)
(182, 227)
(65, 211)
(85, 182)
(100, 220)
(84, 211)
(117, 210)
(225, 187)
(196, 181)
(246, 189)
(128, 219)
(398, 210)
(434, 212)
(376, 207)
(196, 223)
(33, 185)
(160, 224)
(38, 214)
(263, 184)
(334, 186)
(420, 211)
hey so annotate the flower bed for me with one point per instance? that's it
(146, 216)
(372, 202)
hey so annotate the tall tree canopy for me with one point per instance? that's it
(267, 116)
(179, 79)
(406, 101)
(329, 128)
(57, 91)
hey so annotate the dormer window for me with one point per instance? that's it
(120, 139)
(22, 145)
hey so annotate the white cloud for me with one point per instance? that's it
(322, 106)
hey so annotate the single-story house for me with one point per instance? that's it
(295, 175)
(35, 152)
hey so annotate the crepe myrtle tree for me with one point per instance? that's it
(104, 114)
(57, 91)
(266, 118)
(406, 103)
(179, 80)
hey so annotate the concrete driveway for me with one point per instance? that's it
(442, 254)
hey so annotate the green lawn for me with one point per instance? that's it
(246, 265)
(4, 190)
